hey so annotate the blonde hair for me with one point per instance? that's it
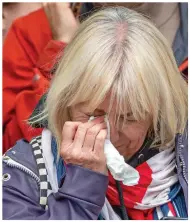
(120, 51)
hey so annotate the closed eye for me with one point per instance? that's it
(97, 112)
(128, 119)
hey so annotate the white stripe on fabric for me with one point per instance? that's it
(43, 200)
(38, 137)
(42, 172)
(35, 145)
(43, 180)
(176, 209)
(44, 185)
(49, 159)
(159, 213)
(163, 177)
(170, 214)
(36, 152)
(40, 160)
(108, 213)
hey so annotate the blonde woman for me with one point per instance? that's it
(120, 66)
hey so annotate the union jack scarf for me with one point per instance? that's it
(158, 193)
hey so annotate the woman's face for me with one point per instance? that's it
(127, 139)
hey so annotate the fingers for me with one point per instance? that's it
(45, 7)
(55, 9)
(44, 4)
(69, 130)
(82, 130)
(83, 144)
(99, 143)
(56, 4)
(91, 136)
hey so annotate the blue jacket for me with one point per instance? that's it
(80, 196)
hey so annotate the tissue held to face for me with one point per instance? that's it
(127, 138)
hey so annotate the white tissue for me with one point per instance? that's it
(119, 169)
(116, 164)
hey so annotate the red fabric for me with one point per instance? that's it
(184, 65)
(171, 207)
(29, 54)
(133, 194)
(184, 69)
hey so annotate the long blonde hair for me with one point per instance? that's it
(120, 51)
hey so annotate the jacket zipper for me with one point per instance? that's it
(12, 163)
(182, 162)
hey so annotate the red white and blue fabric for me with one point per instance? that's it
(157, 194)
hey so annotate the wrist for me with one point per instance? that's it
(91, 185)
(61, 39)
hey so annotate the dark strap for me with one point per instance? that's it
(121, 200)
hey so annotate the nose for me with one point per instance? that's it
(114, 132)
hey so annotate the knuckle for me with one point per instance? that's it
(74, 156)
(63, 153)
(82, 127)
(69, 157)
(68, 124)
(100, 138)
(91, 132)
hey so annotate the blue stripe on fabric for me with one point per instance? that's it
(165, 209)
(179, 203)
(177, 199)
(155, 215)
(59, 164)
(176, 209)
(175, 189)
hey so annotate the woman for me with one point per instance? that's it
(120, 66)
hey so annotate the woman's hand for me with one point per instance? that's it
(83, 144)
(61, 19)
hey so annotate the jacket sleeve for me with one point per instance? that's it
(29, 54)
(80, 197)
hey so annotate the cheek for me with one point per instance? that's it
(135, 131)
